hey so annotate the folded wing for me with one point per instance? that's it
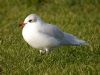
(52, 31)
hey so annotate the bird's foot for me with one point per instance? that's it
(42, 52)
(47, 51)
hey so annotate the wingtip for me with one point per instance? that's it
(82, 42)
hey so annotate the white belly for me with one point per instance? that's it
(38, 40)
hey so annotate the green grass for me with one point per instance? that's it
(79, 17)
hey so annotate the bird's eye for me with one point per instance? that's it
(30, 20)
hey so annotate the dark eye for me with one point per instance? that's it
(30, 20)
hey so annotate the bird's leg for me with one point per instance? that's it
(47, 50)
(42, 51)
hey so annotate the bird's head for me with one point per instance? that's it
(32, 18)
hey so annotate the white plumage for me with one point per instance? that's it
(44, 36)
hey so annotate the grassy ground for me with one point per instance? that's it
(79, 17)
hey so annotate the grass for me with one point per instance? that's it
(79, 17)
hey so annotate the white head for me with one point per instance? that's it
(32, 18)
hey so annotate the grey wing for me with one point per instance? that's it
(52, 31)
(71, 39)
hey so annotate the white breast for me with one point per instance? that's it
(35, 39)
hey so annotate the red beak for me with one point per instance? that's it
(22, 24)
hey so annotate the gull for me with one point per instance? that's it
(44, 36)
